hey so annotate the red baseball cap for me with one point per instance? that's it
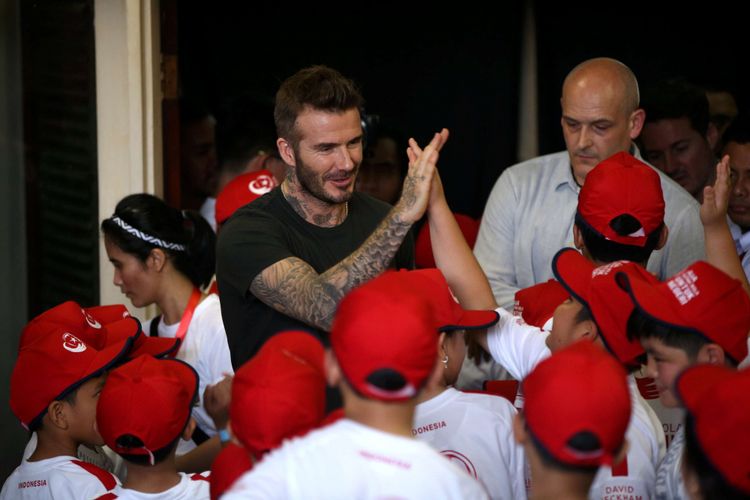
(280, 392)
(713, 395)
(231, 463)
(447, 313)
(597, 288)
(536, 304)
(579, 389)
(242, 190)
(423, 257)
(148, 398)
(622, 184)
(53, 361)
(701, 299)
(385, 340)
(101, 326)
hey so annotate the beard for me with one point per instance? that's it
(314, 183)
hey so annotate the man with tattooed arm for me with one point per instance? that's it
(286, 260)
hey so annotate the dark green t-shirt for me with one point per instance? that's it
(269, 230)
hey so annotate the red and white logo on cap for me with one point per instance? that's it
(261, 184)
(90, 320)
(72, 343)
(607, 268)
(684, 287)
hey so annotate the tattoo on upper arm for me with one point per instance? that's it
(294, 288)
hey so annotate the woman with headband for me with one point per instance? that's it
(164, 256)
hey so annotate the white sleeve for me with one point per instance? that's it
(81, 484)
(494, 246)
(213, 361)
(516, 346)
(265, 480)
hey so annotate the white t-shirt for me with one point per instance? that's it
(190, 487)
(476, 432)
(101, 456)
(205, 348)
(350, 460)
(57, 478)
(636, 476)
(520, 347)
(669, 483)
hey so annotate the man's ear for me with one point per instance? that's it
(636, 121)
(333, 371)
(662, 237)
(156, 260)
(286, 151)
(712, 354)
(587, 329)
(519, 429)
(57, 415)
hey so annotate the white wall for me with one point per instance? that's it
(128, 101)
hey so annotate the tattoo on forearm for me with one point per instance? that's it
(293, 288)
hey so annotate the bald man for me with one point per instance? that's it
(529, 214)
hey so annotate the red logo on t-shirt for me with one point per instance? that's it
(462, 460)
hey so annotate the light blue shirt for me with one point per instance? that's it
(529, 217)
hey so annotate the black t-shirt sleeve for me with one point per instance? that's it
(248, 244)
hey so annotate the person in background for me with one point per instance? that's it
(678, 137)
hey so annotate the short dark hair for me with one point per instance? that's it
(604, 250)
(69, 397)
(642, 326)
(677, 98)
(711, 482)
(318, 87)
(150, 215)
(130, 441)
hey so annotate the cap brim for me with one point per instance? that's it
(695, 383)
(102, 361)
(573, 271)
(158, 347)
(649, 299)
(473, 320)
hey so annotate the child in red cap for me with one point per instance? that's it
(383, 353)
(701, 315)
(574, 420)
(717, 432)
(54, 389)
(279, 394)
(143, 411)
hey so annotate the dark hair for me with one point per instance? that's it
(738, 131)
(130, 441)
(68, 397)
(604, 250)
(711, 482)
(149, 215)
(192, 110)
(319, 87)
(677, 98)
(641, 326)
(245, 129)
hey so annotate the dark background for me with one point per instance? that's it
(421, 68)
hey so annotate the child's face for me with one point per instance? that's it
(664, 364)
(82, 414)
(566, 328)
